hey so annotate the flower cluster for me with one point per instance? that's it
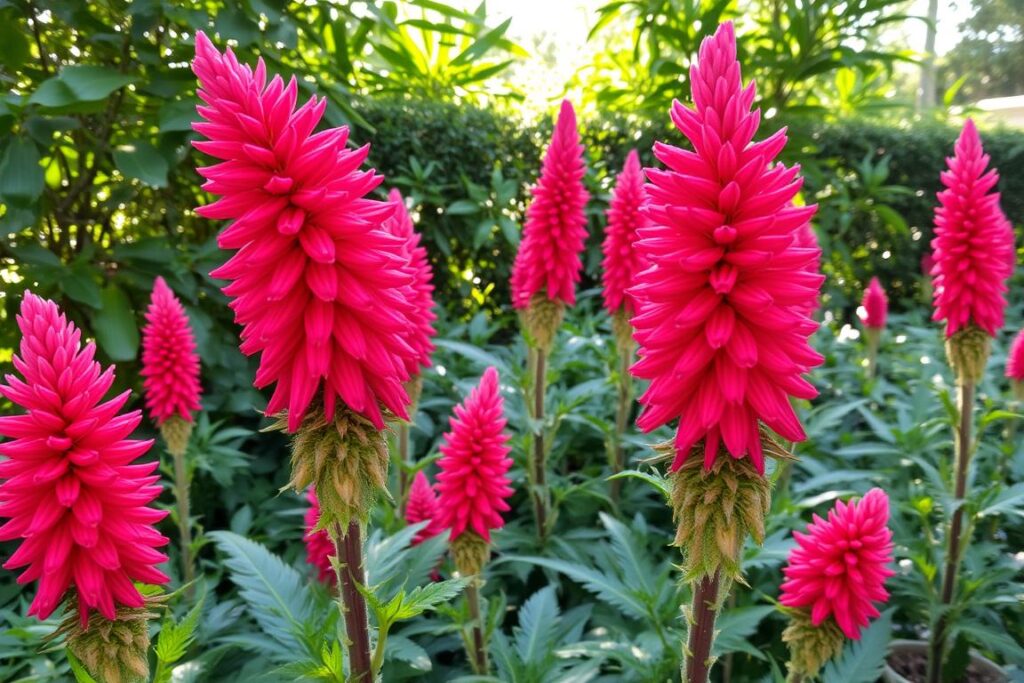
(973, 244)
(839, 567)
(324, 293)
(69, 487)
(170, 366)
(622, 261)
(422, 506)
(723, 312)
(874, 305)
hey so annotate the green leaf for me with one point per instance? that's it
(174, 640)
(79, 83)
(655, 479)
(482, 45)
(114, 325)
(142, 161)
(79, 283)
(177, 115)
(462, 207)
(81, 675)
(606, 588)
(735, 627)
(538, 619)
(425, 598)
(275, 594)
(21, 176)
(862, 661)
(1010, 501)
(14, 49)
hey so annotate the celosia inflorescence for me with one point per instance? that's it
(973, 243)
(170, 365)
(622, 261)
(472, 486)
(548, 261)
(423, 507)
(319, 547)
(322, 290)
(875, 306)
(69, 486)
(422, 315)
(723, 313)
(839, 567)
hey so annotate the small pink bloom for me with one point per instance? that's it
(418, 266)
(875, 305)
(170, 365)
(722, 317)
(548, 259)
(839, 567)
(1015, 360)
(323, 293)
(319, 546)
(622, 261)
(69, 487)
(423, 507)
(973, 243)
(472, 486)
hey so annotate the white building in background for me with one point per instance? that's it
(1005, 110)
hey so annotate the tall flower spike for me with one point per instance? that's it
(1015, 365)
(723, 313)
(839, 567)
(622, 261)
(322, 291)
(973, 244)
(422, 287)
(69, 487)
(319, 547)
(423, 507)
(473, 486)
(874, 305)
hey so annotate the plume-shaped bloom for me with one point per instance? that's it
(422, 315)
(170, 365)
(839, 567)
(422, 507)
(321, 289)
(622, 261)
(69, 487)
(723, 312)
(319, 547)
(1015, 359)
(973, 243)
(472, 486)
(874, 305)
(548, 260)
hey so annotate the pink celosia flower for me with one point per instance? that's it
(319, 547)
(321, 289)
(1015, 359)
(170, 365)
(875, 305)
(839, 567)
(548, 259)
(723, 313)
(422, 507)
(622, 261)
(69, 487)
(973, 244)
(806, 238)
(472, 486)
(422, 316)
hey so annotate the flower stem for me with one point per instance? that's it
(181, 495)
(478, 653)
(702, 629)
(540, 492)
(349, 548)
(403, 458)
(621, 418)
(956, 544)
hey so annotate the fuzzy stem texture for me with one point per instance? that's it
(349, 549)
(175, 432)
(540, 490)
(702, 629)
(956, 545)
(626, 351)
(478, 652)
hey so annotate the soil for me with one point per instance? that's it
(914, 667)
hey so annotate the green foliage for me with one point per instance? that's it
(175, 639)
(862, 661)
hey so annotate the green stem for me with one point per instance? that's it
(621, 419)
(957, 542)
(540, 492)
(478, 652)
(181, 495)
(348, 547)
(403, 475)
(702, 630)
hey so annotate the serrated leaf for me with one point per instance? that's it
(174, 641)
(607, 588)
(538, 619)
(862, 660)
(424, 598)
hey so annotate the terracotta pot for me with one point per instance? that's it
(979, 663)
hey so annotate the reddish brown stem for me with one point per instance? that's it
(540, 490)
(956, 544)
(349, 547)
(403, 458)
(478, 655)
(702, 630)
